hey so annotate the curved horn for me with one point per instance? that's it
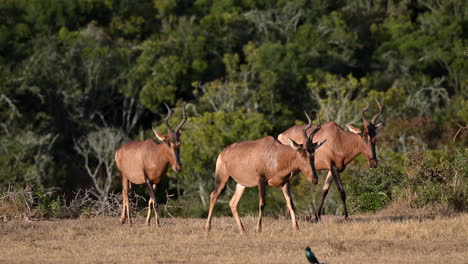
(374, 119)
(364, 119)
(184, 119)
(311, 136)
(309, 125)
(166, 120)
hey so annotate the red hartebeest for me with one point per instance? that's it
(260, 162)
(146, 162)
(341, 148)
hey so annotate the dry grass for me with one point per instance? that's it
(380, 238)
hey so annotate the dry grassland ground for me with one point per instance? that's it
(364, 239)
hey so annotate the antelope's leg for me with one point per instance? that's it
(151, 203)
(219, 187)
(290, 204)
(233, 204)
(339, 185)
(148, 215)
(261, 204)
(123, 217)
(125, 203)
(155, 206)
(325, 188)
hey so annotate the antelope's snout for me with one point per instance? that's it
(177, 167)
(373, 163)
(315, 179)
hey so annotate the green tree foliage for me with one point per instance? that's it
(25, 155)
(245, 69)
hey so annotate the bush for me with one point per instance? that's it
(45, 205)
(15, 204)
(26, 203)
(429, 178)
(437, 179)
(375, 188)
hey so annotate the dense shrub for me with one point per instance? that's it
(427, 178)
(433, 178)
(375, 188)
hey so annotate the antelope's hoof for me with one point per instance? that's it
(317, 219)
(314, 181)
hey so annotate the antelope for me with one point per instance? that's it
(259, 162)
(146, 162)
(341, 148)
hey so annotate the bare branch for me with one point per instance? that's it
(97, 149)
(460, 130)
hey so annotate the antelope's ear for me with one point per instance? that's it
(293, 144)
(158, 135)
(317, 145)
(378, 127)
(354, 130)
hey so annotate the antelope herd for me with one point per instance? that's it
(263, 161)
(341, 148)
(255, 163)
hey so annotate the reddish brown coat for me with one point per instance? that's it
(262, 162)
(146, 162)
(265, 159)
(341, 148)
(144, 159)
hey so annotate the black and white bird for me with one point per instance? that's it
(310, 256)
